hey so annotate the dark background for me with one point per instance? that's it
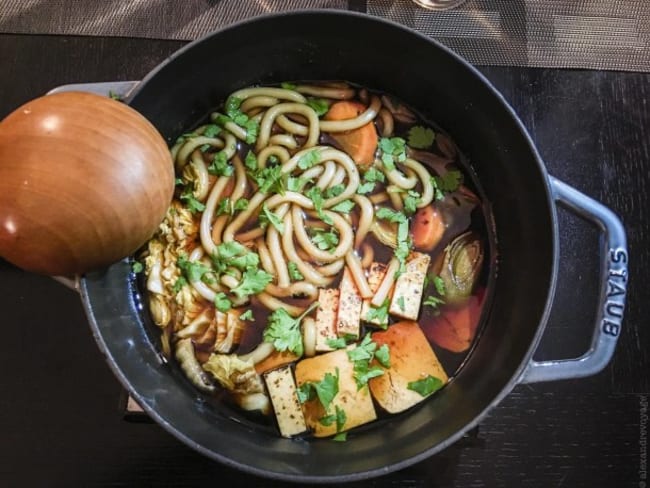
(61, 422)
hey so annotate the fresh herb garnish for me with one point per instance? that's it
(137, 267)
(324, 240)
(253, 281)
(267, 216)
(446, 183)
(288, 86)
(362, 355)
(247, 315)
(283, 331)
(211, 130)
(193, 270)
(379, 314)
(421, 137)
(222, 302)
(220, 166)
(224, 207)
(393, 150)
(338, 416)
(334, 191)
(320, 105)
(309, 159)
(338, 343)
(179, 284)
(191, 203)
(270, 180)
(241, 204)
(411, 201)
(433, 302)
(325, 390)
(425, 386)
(316, 196)
(250, 161)
(294, 272)
(343, 207)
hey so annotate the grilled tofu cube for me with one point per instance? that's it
(348, 320)
(356, 403)
(284, 398)
(409, 287)
(376, 274)
(326, 314)
(411, 360)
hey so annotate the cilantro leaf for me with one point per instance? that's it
(250, 161)
(241, 204)
(224, 207)
(192, 204)
(361, 356)
(343, 207)
(339, 417)
(393, 150)
(220, 166)
(411, 201)
(334, 191)
(252, 127)
(325, 390)
(294, 272)
(446, 183)
(373, 175)
(247, 315)
(137, 267)
(391, 215)
(283, 331)
(180, 283)
(192, 270)
(267, 216)
(340, 437)
(270, 180)
(232, 107)
(211, 130)
(439, 283)
(365, 188)
(309, 159)
(253, 281)
(316, 196)
(288, 86)
(320, 105)
(338, 343)
(325, 240)
(425, 386)
(382, 354)
(222, 302)
(421, 137)
(380, 314)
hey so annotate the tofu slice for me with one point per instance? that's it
(326, 314)
(376, 274)
(284, 398)
(411, 359)
(348, 320)
(275, 359)
(357, 404)
(409, 287)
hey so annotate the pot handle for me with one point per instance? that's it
(614, 277)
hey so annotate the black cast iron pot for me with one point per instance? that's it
(326, 45)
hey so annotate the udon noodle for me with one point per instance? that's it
(312, 225)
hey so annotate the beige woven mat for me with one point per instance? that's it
(593, 34)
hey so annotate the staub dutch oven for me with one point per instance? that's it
(327, 45)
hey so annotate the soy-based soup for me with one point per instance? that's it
(324, 259)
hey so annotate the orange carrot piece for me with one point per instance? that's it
(361, 143)
(454, 329)
(428, 228)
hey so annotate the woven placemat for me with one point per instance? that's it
(593, 34)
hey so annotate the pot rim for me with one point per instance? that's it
(517, 373)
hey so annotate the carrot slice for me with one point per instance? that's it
(454, 329)
(428, 228)
(361, 143)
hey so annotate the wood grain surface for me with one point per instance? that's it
(60, 418)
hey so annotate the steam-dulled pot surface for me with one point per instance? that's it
(325, 45)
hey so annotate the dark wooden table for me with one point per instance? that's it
(60, 417)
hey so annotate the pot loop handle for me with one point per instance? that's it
(614, 278)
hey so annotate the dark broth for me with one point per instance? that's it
(465, 217)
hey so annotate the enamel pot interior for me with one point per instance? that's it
(327, 45)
